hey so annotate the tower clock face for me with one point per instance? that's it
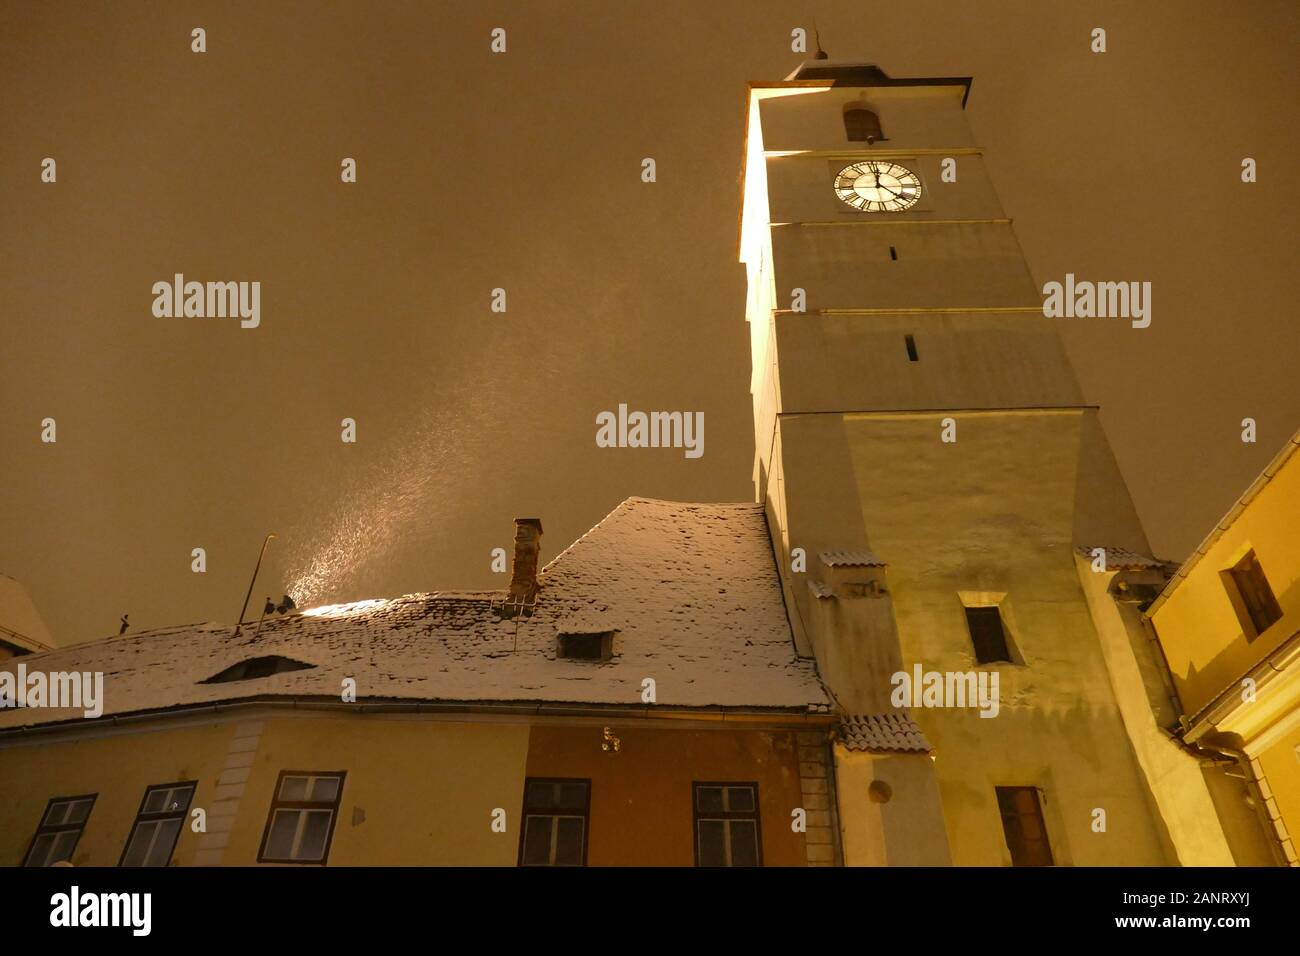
(878, 187)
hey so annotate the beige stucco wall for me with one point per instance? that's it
(993, 512)
(832, 363)
(907, 828)
(939, 265)
(1175, 777)
(1240, 816)
(912, 117)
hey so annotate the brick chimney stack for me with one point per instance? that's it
(528, 546)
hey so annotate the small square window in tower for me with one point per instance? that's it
(1023, 824)
(989, 635)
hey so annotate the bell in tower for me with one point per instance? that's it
(861, 124)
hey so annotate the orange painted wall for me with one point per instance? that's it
(641, 796)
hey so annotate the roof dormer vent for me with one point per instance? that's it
(594, 646)
(256, 667)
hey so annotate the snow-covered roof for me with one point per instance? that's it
(20, 623)
(690, 591)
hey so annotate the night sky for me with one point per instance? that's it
(522, 171)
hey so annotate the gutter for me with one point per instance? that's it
(902, 413)
(29, 644)
(728, 715)
(1283, 656)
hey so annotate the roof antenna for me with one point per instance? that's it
(820, 54)
(257, 568)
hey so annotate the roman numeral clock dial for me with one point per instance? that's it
(878, 187)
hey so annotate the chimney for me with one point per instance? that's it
(528, 545)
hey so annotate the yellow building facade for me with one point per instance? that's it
(418, 789)
(1229, 626)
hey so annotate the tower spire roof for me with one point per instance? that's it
(846, 73)
(859, 73)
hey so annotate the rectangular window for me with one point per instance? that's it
(59, 830)
(157, 824)
(1258, 609)
(988, 635)
(303, 811)
(556, 812)
(1022, 821)
(726, 825)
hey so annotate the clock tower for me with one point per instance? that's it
(938, 491)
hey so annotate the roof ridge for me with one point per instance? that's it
(116, 639)
(550, 565)
(632, 500)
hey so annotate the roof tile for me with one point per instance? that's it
(894, 732)
(1122, 559)
(861, 558)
